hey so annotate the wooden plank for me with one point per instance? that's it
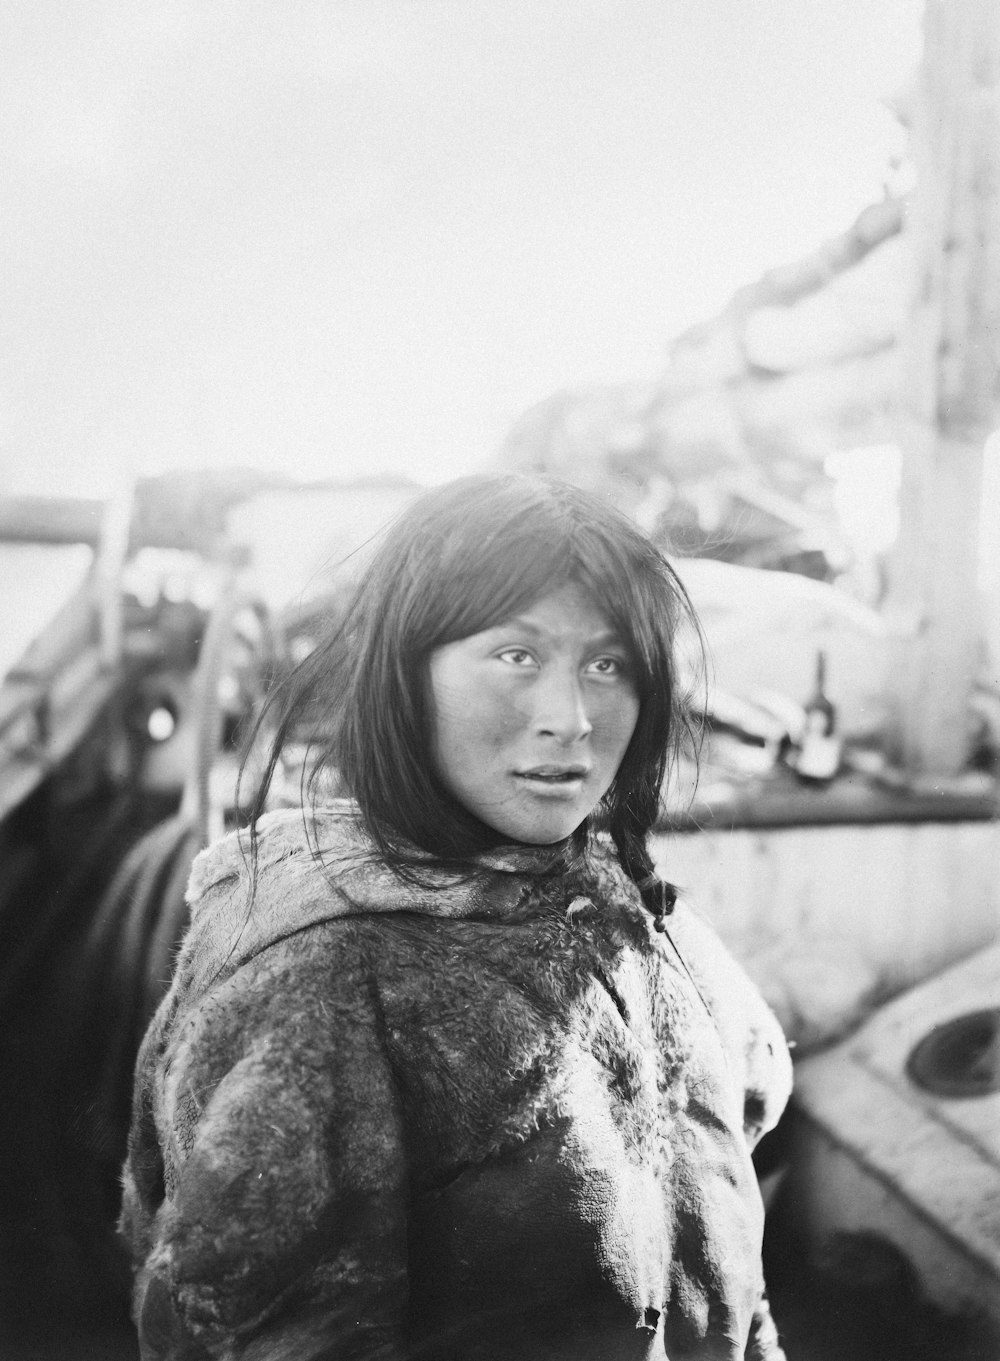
(51, 519)
(951, 361)
(830, 920)
(32, 746)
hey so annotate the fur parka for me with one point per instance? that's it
(478, 1116)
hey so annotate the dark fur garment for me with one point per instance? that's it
(485, 1115)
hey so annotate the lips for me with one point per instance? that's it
(553, 774)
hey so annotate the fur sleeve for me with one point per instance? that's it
(750, 1032)
(265, 1189)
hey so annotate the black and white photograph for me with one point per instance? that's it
(500, 680)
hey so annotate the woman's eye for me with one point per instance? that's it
(607, 666)
(516, 656)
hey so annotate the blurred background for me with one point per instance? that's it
(269, 271)
(343, 238)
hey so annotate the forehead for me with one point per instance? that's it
(567, 612)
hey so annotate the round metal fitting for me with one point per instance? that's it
(961, 1057)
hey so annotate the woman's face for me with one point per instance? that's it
(533, 717)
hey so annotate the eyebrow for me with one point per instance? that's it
(606, 638)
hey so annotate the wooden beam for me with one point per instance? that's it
(50, 519)
(949, 386)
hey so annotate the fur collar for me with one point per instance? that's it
(316, 865)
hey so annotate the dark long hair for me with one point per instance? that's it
(463, 558)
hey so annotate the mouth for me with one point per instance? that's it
(555, 775)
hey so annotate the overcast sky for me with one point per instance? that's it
(344, 236)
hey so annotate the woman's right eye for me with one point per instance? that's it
(516, 656)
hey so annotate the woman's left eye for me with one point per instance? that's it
(607, 666)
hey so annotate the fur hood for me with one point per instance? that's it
(314, 865)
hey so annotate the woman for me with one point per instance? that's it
(441, 1074)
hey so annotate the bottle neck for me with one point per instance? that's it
(820, 712)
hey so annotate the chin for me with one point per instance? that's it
(547, 834)
(540, 840)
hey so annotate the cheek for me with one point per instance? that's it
(450, 716)
(617, 723)
(481, 709)
(472, 721)
(631, 718)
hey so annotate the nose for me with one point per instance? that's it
(560, 707)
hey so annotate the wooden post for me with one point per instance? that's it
(950, 382)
